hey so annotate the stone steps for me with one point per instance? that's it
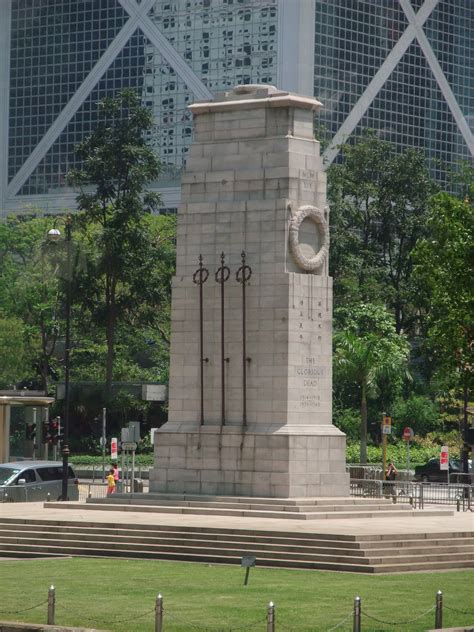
(220, 540)
(369, 505)
(250, 500)
(366, 553)
(387, 511)
(294, 509)
(233, 549)
(218, 533)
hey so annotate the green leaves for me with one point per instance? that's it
(126, 286)
(444, 271)
(367, 352)
(13, 355)
(378, 201)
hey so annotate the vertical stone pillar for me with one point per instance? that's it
(4, 432)
(253, 182)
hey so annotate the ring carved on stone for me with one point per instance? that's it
(310, 264)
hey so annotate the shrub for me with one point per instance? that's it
(397, 452)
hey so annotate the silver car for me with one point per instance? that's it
(35, 481)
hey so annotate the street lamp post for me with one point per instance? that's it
(54, 235)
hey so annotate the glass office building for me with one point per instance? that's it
(402, 67)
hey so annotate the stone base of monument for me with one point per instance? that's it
(320, 509)
(264, 461)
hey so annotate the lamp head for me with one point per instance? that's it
(54, 234)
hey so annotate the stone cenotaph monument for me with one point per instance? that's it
(251, 347)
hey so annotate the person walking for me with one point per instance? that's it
(110, 482)
(116, 476)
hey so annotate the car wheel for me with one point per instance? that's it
(425, 479)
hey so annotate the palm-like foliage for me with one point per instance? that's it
(368, 351)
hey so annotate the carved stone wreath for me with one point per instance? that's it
(310, 264)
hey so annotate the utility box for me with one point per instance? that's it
(134, 431)
(138, 485)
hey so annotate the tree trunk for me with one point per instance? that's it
(464, 425)
(398, 317)
(44, 375)
(109, 364)
(363, 425)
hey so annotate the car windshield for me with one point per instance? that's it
(7, 474)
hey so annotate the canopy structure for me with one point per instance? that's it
(31, 399)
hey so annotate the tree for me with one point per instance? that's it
(13, 357)
(379, 204)
(368, 351)
(30, 295)
(117, 165)
(444, 272)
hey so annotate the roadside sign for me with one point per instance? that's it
(386, 430)
(129, 446)
(113, 449)
(444, 458)
(248, 562)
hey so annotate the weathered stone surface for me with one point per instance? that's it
(253, 165)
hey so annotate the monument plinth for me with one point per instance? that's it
(253, 183)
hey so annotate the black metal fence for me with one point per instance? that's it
(417, 494)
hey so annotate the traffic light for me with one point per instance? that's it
(46, 433)
(30, 432)
(54, 430)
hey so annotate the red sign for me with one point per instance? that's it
(113, 449)
(444, 458)
(407, 434)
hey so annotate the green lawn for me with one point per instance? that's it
(112, 594)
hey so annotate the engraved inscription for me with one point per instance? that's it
(311, 371)
(310, 401)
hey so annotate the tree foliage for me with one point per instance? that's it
(13, 356)
(122, 285)
(368, 351)
(30, 291)
(379, 204)
(444, 273)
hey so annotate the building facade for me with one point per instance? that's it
(402, 67)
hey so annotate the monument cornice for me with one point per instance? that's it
(249, 97)
(277, 101)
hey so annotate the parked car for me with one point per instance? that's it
(430, 471)
(33, 480)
